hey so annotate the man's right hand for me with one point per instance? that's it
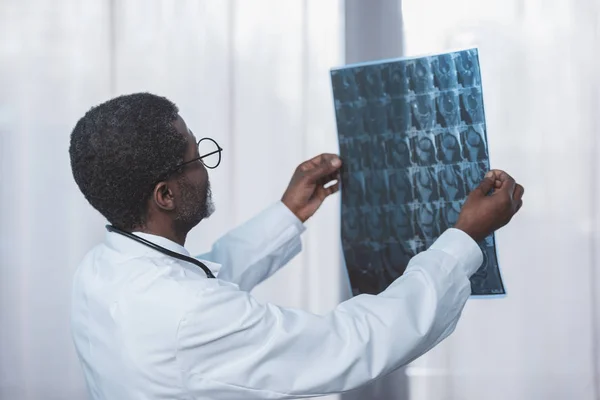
(483, 214)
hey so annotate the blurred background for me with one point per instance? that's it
(254, 75)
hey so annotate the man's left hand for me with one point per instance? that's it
(308, 188)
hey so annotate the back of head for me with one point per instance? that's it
(120, 149)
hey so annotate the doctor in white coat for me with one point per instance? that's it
(151, 325)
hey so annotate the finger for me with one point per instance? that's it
(485, 186)
(328, 185)
(329, 178)
(316, 161)
(507, 181)
(329, 190)
(518, 193)
(327, 165)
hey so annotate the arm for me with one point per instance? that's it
(257, 249)
(232, 344)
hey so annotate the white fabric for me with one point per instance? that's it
(251, 74)
(540, 69)
(149, 326)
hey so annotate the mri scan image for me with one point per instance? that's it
(474, 143)
(426, 185)
(400, 223)
(413, 139)
(399, 186)
(397, 152)
(421, 76)
(452, 187)
(423, 150)
(473, 174)
(448, 109)
(377, 190)
(396, 79)
(448, 147)
(400, 119)
(424, 111)
(376, 116)
(444, 72)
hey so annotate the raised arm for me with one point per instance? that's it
(256, 250)
(268, 352)
(228, 342)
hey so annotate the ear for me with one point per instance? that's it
(163, 196)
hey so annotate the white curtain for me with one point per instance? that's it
(254, 75)
(539, 64)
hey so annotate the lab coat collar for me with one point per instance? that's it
(126, 245)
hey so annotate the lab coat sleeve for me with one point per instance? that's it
(232, 347)
(257, 249)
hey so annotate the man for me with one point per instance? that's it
(147, 325)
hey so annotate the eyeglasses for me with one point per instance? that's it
(210, 156)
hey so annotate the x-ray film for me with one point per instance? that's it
(413, 139)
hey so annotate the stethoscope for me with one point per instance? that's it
(161, 249)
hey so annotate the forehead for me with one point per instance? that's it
(182, 128)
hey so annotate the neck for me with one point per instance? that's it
(168, 232)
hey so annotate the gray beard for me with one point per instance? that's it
(209, 209)
(195, 205)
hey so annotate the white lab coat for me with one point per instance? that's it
(148, 326)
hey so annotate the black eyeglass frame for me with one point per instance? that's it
(183, 164)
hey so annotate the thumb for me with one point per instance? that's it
(486, 184)
(325, 167)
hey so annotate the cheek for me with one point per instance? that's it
(200, 176)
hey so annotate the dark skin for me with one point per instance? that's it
(304, 195)
(483, 214)
(165, 199)
(315, 180)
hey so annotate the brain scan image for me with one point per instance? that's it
(467, 67)
(351, 120)
(400, 116)
(413, 140)
(449, 213)
(355, 196)
(473, 144)
(398, 81)
(397, 152)
(362, 264)
(353, 225)
(480, 281)
(424, 111)
(370, 83)
(474, 174)
(426, 185)
(400, 186)
(448, 107)
(472, 106)
(350, 164)
(376, 224)
(366, 156)
(345, 87)
(423, 150)
(395, 260)
(444, 72)
(451, 183)
(421, 77)
(448, 146)
(427, 221)
(400, 223)
(378, 147)
(376, 117)
(377, 190)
